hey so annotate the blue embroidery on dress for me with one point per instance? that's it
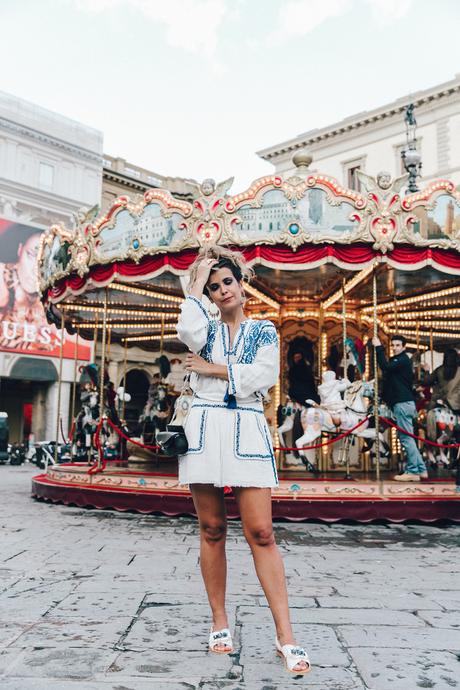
(226, 331)
(232, 387)
(197, 301)
(270, 446)
(206, 352)
(199, 448)
(248, 456)
(260, 333)
(223, 406)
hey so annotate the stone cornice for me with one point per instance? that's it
(43, 200)
(41, 137)
(138, 185)
(360, 120)
(125, 180)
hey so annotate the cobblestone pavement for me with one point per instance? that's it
(96, 600)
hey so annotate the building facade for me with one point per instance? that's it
(50, 166)
(123, 178)
(373, 140)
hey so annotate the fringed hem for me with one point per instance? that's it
(240, 485)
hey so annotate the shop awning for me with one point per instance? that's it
(34, 369)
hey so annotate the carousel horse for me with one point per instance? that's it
(338, 419)
(156, 413)
(285, 422)
(442, 425)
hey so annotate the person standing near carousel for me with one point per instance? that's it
(232, 364)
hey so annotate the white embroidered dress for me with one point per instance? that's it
(229, 440)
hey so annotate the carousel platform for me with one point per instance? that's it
(296, 498)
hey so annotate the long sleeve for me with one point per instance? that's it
(385, 365)
(193, 324)
(262, 373)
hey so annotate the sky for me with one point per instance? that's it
(193, 88)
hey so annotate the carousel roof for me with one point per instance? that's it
(307, 236)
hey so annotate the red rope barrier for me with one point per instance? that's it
(128, 438)
(326, 443)
(419, 438)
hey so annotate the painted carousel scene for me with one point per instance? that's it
(339, 271)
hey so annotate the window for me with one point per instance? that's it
(46, 176)
(350, 169)
(352, 178)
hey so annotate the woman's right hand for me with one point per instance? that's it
(204, 269)
(202, 275)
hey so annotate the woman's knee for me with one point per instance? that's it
(213, 532)
(260, 536)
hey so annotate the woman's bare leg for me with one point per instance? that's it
(210, 508)
(255, 507)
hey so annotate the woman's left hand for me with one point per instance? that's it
(197, 364)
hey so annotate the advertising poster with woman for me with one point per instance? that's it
(23, 325)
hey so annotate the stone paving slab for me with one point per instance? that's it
(184, 628)
(397, 636)
(119, 684)
(11, 630)
(162, 665)
(99, 600)
(441, 619)
(389, 669)
(409, 602)
(60, 633)
(258, 640)
(69, 663)
(95, 605)
(362, 617)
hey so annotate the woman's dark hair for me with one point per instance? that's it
(450, 363)
(226, 258)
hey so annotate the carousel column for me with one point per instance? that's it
(58, 411)
(322, 354)
(346, 441)
(125, 367)
(102, 370)
(74, 392)
(376, 377)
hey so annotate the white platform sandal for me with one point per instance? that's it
(292, 655)
(220, 637)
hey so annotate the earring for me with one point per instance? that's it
(213, 314)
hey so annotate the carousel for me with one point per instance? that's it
(333, 268)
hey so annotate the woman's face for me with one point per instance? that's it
(27, 263)
(224, 290)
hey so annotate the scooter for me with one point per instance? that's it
(17, 454)
(4, 437)
(45, 454)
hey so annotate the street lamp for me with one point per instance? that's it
(411, 158)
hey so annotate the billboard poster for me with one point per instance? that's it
(23, 325)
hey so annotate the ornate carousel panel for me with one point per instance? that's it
(333, 268)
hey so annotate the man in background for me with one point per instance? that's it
(398, 394)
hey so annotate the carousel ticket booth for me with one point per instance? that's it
(333, 268)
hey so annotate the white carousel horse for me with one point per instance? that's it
(289, 411)
(440, 424)
(318, 418)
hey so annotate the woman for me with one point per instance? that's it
(233, 362)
